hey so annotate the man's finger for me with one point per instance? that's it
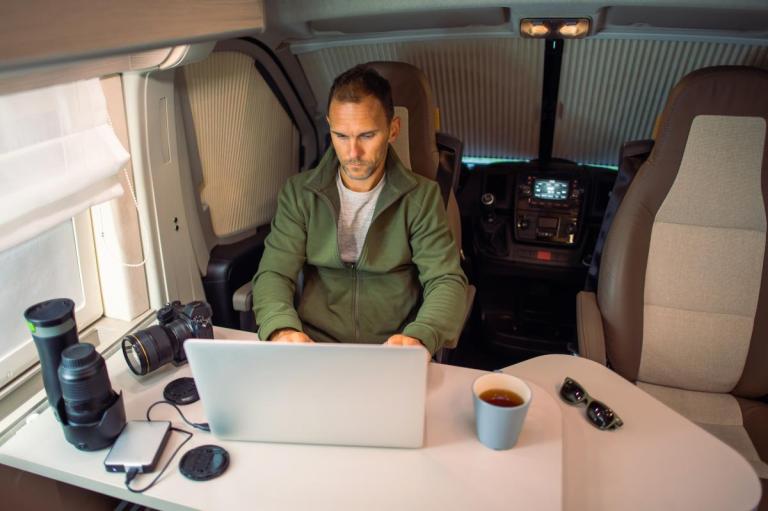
(294, 337)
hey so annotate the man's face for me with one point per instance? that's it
(361, 135)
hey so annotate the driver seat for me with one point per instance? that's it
(417, 147)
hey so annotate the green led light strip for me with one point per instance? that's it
(477, 160)
(473, 160)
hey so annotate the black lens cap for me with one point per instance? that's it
(181, 391)
(204, 462)
(79, 355)
(50, 312)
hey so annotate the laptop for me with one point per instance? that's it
(324, 393)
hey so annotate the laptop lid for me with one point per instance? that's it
(322, 393)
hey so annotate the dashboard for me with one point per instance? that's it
(533, 229)
(545, 216)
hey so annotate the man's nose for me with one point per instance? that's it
(355, 150)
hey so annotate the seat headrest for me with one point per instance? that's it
(411, 91)
(719, 90)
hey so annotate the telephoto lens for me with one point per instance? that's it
(85, 384)
(53, 328)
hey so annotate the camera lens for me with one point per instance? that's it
(53, 328)
(148, 349)
(180, 329)
(85, 384)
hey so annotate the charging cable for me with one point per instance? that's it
(203, 426)
(133, 472)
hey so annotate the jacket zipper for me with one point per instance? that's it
(352, 266)
(355, 292)
(356, 267)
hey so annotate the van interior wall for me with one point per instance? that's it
(216, 146)
(116, 227)
(172, 269)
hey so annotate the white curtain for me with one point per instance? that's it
(58, 156)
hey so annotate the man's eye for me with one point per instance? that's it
(367, 135)
(342, 137)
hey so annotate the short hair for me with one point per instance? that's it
(361, 81)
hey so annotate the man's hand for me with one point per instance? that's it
(289, 335)
(403, 340)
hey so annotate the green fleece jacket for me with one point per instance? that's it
(408, 279)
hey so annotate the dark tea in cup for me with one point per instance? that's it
(501, 402)
(501, 397)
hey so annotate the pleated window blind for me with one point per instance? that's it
(58, 156)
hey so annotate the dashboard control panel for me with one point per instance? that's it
(545, 214)
(548, 209)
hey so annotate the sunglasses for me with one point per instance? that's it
(598, 413)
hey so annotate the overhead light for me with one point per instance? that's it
(534, 28)
(574, 28)
(541, 28)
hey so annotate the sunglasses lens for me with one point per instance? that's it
(572, 391)
(602, 416)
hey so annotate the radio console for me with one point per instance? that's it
(548, 209)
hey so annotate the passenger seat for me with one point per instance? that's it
(682, 298)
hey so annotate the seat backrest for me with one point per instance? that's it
(417, 144)
(683, 285)
(631, 157)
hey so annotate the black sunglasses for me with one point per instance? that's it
(598, 413)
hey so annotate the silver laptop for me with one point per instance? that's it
(339, 394)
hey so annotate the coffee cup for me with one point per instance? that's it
(501, 403)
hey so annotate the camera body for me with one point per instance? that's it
(185, 321)
(148, 349)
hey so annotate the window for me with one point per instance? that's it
(59, 263)
(94, 258)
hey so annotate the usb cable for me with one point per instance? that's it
(133, 472)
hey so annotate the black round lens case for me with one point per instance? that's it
(181, 391)
(204, 462)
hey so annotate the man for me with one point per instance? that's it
(380, 263)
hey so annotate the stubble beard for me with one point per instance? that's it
(369, 169)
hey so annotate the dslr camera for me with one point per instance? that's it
(153, 347)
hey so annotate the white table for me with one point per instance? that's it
(657, 460)
(452, 471)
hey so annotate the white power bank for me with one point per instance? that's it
(138, 447)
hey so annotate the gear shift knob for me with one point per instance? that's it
(488, 204)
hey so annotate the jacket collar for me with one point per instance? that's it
(400, 179)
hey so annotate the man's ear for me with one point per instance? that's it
(394, 129)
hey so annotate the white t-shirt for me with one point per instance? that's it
(355, 218)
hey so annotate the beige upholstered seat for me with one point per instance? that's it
(417, 144)
(682, 300)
